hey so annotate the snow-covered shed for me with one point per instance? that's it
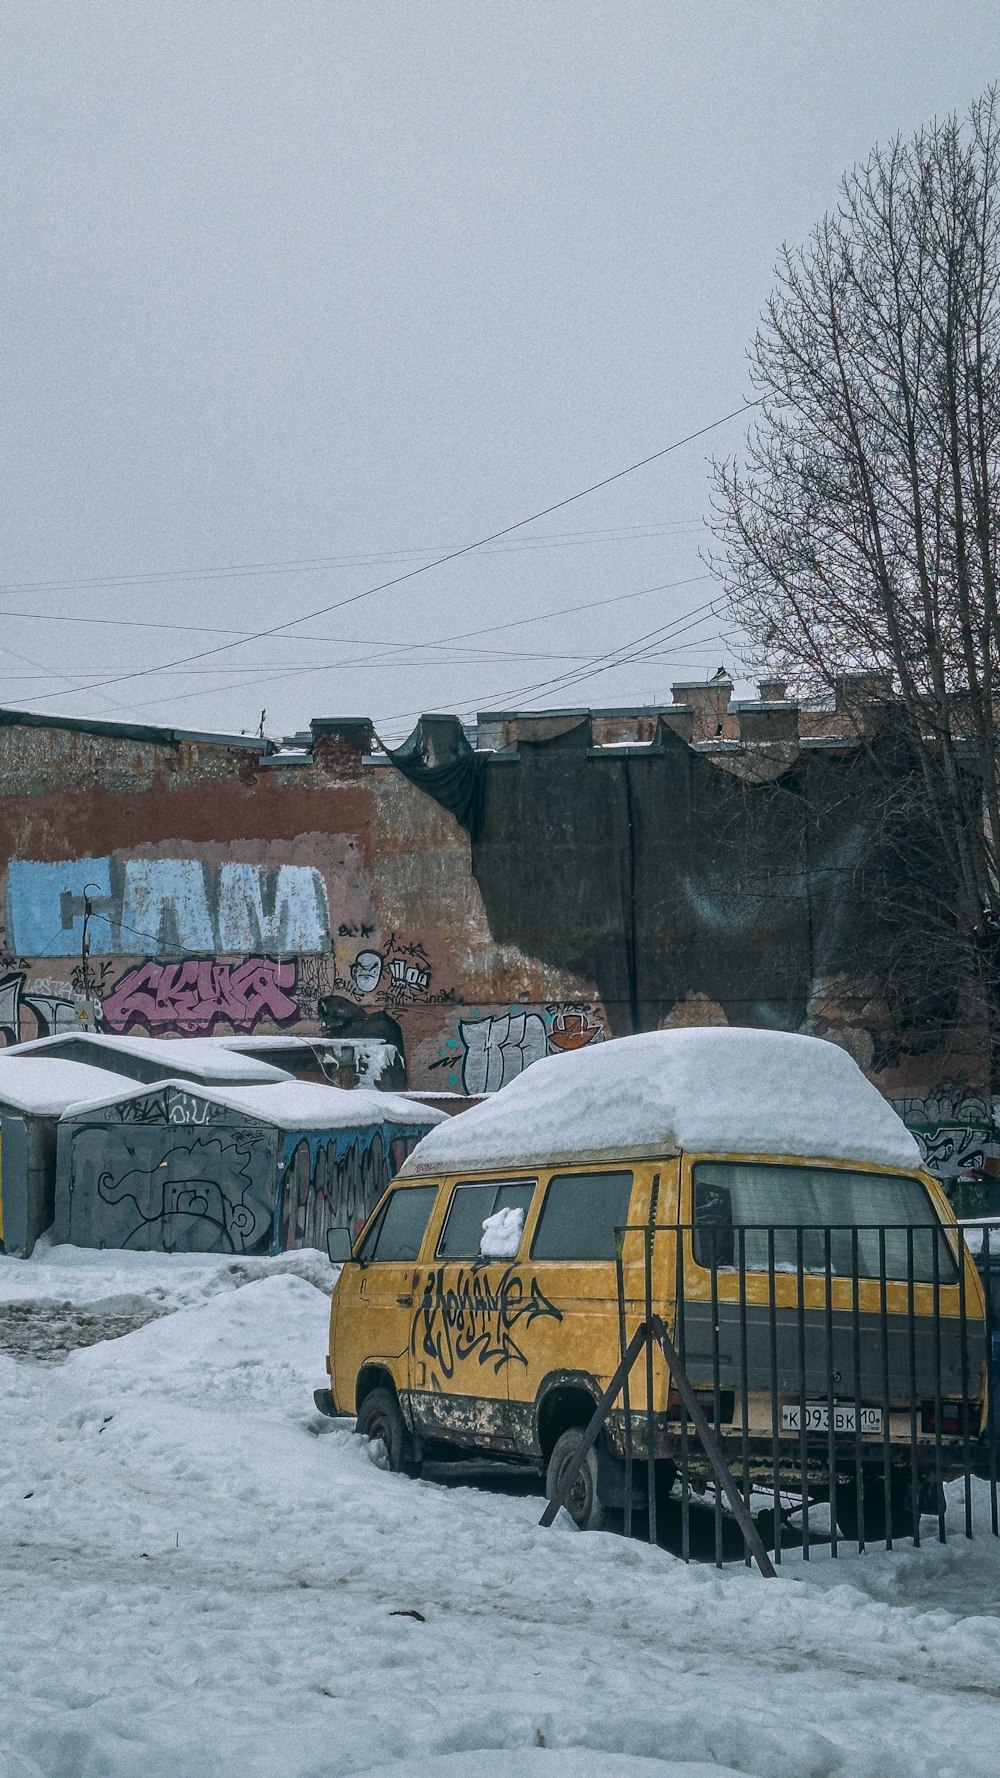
(354, 1061)
(198, 1059)
(33, 1095)
(714, 1090)
(245, 1169)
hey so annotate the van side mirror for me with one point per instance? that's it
(338, 1246)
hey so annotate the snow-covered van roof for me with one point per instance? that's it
(28, 1083)
(714, 1090)
(289, 1104)
(198, 1057)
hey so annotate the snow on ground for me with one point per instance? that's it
(202, 1577)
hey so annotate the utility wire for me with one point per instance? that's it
(424, 568)
(639, 533)
(534, 617)
(683, 621)
(622, 656)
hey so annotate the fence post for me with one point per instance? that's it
(713, 1450)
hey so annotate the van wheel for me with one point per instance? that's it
(846, 1504)
(380, 1416)
(582, 1505)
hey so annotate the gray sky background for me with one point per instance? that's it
(297, 295)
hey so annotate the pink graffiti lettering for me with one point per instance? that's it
(195, 996)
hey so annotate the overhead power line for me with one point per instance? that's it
(639, 533)
(412, 573)
(679, 625)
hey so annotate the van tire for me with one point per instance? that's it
(381, 1417)
(583, 1505)
(846, 1504)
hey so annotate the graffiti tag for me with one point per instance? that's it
(197, 995)
(475, 1317)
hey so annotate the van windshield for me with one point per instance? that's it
(759, 1197)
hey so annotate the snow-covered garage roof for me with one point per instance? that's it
(717, 1090)
(29, 1083)
(288, 1104)
(198, 1057)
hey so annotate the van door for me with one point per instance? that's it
(467, 1331)
(375, 1294)
(569, 1332)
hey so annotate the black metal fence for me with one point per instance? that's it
(812, 1384)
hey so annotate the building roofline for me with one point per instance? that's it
(132, 731)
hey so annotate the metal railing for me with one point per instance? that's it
(813, 1384)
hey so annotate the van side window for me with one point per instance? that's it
(462, 1235)
(400, 1228)
(580, 1215)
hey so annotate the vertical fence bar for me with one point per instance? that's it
(859, 1468)
(831, 1431)
(883, 1318)
(911, 1341)
(741, 1251)
(650, 1437)
(964, 1347)
(716, 1395)
(991, 1407)
(775, 1444)
(626, 1387)
(800, 1304)
(685, 1441)
(938, 1456)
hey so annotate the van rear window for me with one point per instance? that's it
(580, 1214)
(759, 1196)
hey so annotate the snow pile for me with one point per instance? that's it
(715, 1090)
(502, 1234)
(202, 1578)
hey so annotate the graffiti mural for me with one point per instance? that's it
(473, 1314)
(395, 975)
(334, 1181)
(171, 1105)
(198, 995)
(157, 1189)
(50, 1012)
(957, 1133)
(493, 1049)
(498, 1049)
(163, 906)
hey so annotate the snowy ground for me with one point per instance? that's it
(201, 1577)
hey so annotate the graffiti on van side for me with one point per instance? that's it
(475, 1317)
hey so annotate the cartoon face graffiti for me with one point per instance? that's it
(366, 971)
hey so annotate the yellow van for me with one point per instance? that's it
(750, 1188)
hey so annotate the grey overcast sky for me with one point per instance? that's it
(298, 294)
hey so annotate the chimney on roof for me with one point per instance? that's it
(772, 691)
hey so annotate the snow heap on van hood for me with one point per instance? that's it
(713, 1090)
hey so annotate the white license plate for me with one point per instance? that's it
(818, 1417)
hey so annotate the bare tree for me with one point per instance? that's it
(860, 536)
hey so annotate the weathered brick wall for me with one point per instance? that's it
(613, 887)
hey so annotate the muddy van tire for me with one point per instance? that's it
(381, 1417)
(583, 1506)
(846, 1504)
